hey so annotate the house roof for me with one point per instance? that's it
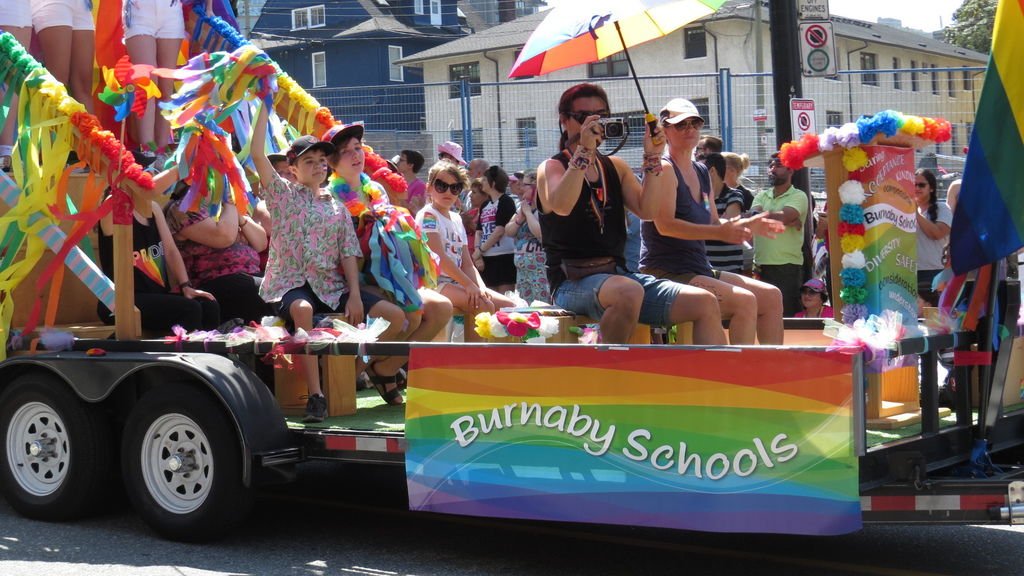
(365, 18)
(861, 30)
(515, 34)
(508, 35)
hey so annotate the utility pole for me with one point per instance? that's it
(786, 72)
(246, 18)
(762, 140)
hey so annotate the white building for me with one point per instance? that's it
(514, 121)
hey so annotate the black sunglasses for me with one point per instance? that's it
(921, 184)
(582, 115)
(442, 187)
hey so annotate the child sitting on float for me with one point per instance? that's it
(459, 281)
(313, 259)
(813, 295)
(384, 231)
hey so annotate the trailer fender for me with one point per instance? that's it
(255, 416)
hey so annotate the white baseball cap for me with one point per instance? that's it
(677, 110)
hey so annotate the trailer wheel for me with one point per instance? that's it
(58, 451)
(182, 465)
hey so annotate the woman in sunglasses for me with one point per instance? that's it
(933, 221)
(583, 197)
(673, 243)
(459, 281)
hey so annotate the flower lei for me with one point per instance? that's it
(851, 237)
(355, 201)
(526, 327)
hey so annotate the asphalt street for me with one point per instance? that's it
(343, 520)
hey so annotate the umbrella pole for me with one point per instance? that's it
(652, 122)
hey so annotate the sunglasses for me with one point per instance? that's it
(921, 184)
(442, 187)
(580, 116)
(695, 123)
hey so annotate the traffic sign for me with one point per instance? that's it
(802, 112)
(812, 10)
(815, 35)
(817, 49)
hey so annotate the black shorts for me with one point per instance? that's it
(319, 307)
(499, 270)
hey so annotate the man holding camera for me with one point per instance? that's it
(583, 197)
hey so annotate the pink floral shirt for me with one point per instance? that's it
(312, 233)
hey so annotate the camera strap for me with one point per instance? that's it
(596, 192)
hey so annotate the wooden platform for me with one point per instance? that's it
(337, 380)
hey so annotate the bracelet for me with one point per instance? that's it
(652, 164)
(245, 220)
(581, 159)
(185, 284)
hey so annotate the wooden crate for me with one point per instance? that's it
(337, 379)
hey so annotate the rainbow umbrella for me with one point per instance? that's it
(583, 32)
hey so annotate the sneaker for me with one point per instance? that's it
(316, 409)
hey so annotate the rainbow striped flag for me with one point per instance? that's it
(751, 440)
(989, 221)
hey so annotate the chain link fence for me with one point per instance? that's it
(515, 123)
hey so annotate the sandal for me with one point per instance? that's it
(402, 377)
(392, 397)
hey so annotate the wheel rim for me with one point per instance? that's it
(177, 463)
(38, 449)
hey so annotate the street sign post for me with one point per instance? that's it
(812, 10)
(817, 49)
(802, 112)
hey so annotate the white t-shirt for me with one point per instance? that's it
(452, 233)
(929, 252)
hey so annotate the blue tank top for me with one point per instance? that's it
(674, 255)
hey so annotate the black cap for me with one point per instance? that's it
(277, 156)
(307, 144)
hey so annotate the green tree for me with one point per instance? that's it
(972, 25)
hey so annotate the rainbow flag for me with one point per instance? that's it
(989, 221)
(752, 440)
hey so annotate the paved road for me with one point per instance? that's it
(339, 521)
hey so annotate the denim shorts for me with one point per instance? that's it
(580, 296)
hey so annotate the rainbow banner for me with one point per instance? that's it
(988, 223)
(738, 440)
(890, 237)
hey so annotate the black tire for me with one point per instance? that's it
(182, 465)
(72, 476)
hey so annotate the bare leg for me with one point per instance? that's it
(142, 50)
(56, 44)
(22, 35)
(769, 307)
(437, 311)
(701, 308)
(621, 298)
(387, 366)
(736, 304)
(302, 315)
(83, 58)
(167, 57)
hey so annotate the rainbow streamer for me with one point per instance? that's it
(558, 434)
(989, 220)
